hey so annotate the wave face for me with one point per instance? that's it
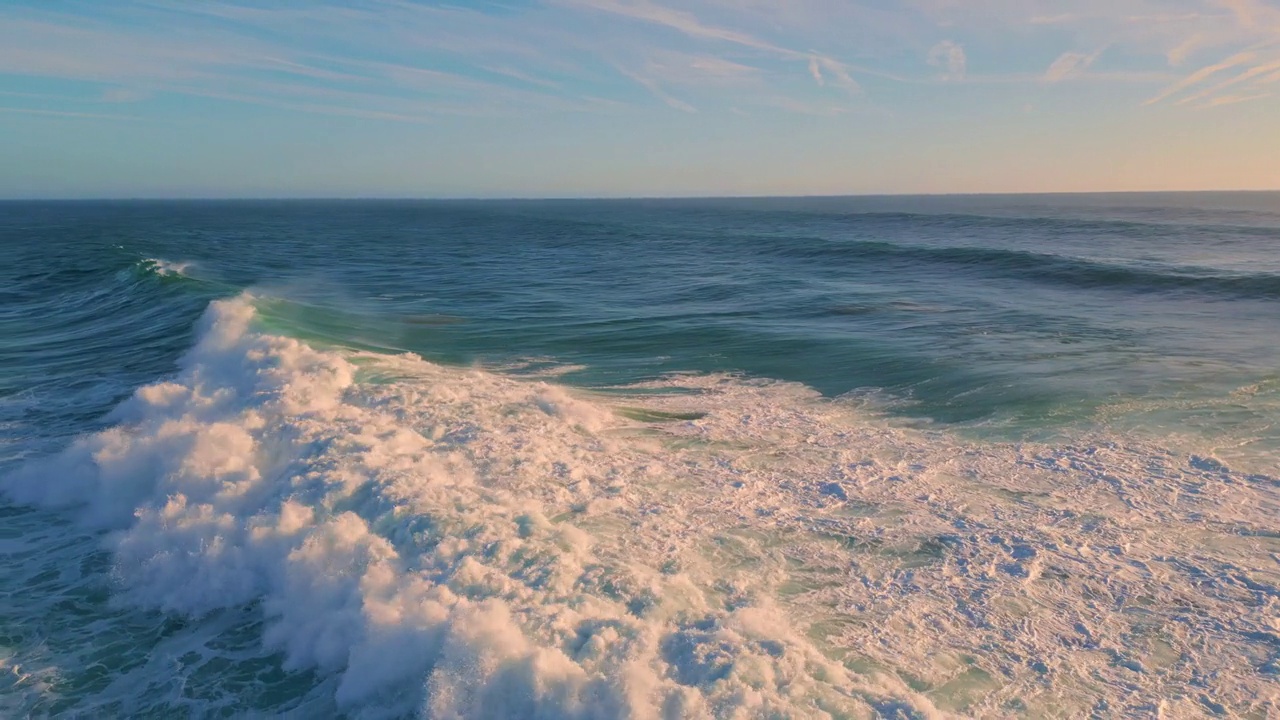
(844, 458)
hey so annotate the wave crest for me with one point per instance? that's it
(165, 268)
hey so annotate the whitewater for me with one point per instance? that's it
(292, 508)
(465, 544)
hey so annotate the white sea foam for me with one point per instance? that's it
(459, 543)
(168, 267)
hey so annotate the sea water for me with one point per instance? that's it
(756, 458)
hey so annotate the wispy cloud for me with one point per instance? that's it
(1256, 73)
(120, 95)
(1234, 99)
(65, 114)
(656, 89)
(700, 70)
(821, 67)
(1242, 59)
(1179, 53)
(1254, 14)
(193, 59)
(679, 20)
(523, 76)
(408, 60)
(950, 59)
(824, 69)
(815, 71)
(1068, 65)
(800, 107)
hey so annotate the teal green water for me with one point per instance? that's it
(350, 345)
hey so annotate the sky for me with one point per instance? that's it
(605, 98)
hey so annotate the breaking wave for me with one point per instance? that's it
(165, 268)
(451, 542)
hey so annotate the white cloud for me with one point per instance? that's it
(1068, 65)
(1254, 73)
(681, 68)
(820, 67)
(949, 57)
(1203, 74)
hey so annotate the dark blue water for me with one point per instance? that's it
(1142, 319)
(967, 308)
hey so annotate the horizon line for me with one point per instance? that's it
(565, 198)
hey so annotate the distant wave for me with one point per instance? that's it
(166, 268)
(1072, 225)
(1041, 267)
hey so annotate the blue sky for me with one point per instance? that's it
(194, 98)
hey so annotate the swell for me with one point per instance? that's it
(1253, 224)
(1042, 267)
(85, 335)
(62, 301)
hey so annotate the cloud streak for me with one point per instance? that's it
(407, 61)
(1069, 65)
(65, 114)
(678, 20)
(1234, 99)
(1252, 69)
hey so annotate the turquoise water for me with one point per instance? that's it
(843, 457)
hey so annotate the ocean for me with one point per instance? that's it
(900, 457)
